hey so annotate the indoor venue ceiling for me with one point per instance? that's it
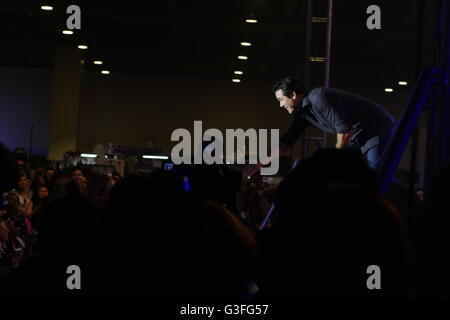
(201, 38)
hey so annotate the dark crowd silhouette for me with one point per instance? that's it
(195, 233)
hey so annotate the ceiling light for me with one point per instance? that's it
(317, 59)
(236, 80)
(47, 8)
(402, 83)
(242, 57)
(238, 72)
(67, 32)
(105, 72)
(82, 47)
(246, 44)
(251, 20)
(388, 89)
(88, 155)
(98, 62)
(155, 157)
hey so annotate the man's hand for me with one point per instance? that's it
(249, 171)
(342, 140)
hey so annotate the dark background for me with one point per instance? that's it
(172, 62)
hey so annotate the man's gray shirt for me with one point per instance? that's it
(337, 111)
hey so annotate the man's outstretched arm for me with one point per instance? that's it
(251, 170)
(296, 129)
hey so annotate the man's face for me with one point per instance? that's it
(77, 175)
(23, 183)
(41, 181)
(288, 103)
(61, 182)
(50, 174)
(42, 192)
(99, 193)
(420, 194)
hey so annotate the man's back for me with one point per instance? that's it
(345, 111)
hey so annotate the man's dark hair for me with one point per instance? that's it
(76, 168)
(288, 86)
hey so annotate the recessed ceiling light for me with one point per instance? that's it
(236, 80)
(388, 89)
(246, 44)
(47, 8)
(105, 72)
(82, 47)
(402, 83)
(242, 57)
(251, 20)
(67, 32)
(88, 155)
(98, 62)
(155, 157)
(238, 72)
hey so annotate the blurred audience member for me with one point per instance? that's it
(4, 238)
(331, 227)
(32, 174)
(59, 182)
(162, 227)
(420, 194)
(19, 199)
(432, 241)
(77, 176)
(40, 201)
(49, 175)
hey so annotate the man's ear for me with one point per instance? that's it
(296, 96)
(293, 95)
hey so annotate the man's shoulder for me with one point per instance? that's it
(317, 92)
(315, 96)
